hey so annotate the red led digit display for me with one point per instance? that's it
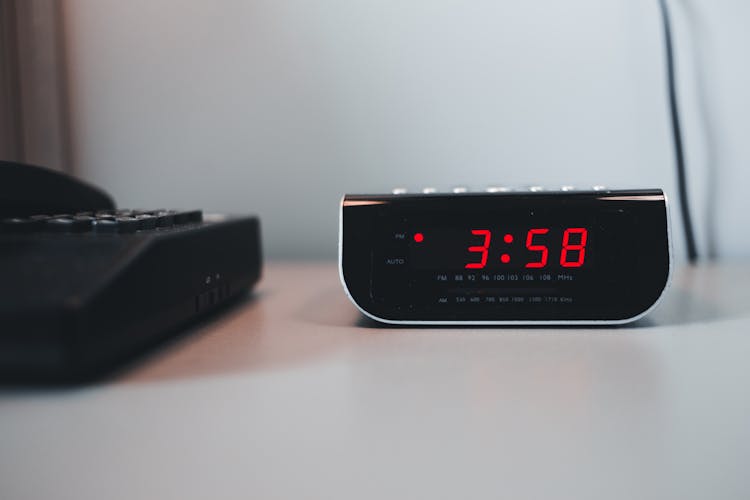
(539, 242)
(568, 247)
(484, 249)
(537, 248)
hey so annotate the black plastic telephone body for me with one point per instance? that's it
(85, 286)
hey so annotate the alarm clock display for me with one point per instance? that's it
(599, 256)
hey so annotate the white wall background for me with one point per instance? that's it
(277, 107)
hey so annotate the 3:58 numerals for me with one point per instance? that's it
(572, 251)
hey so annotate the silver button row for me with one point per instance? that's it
(498, 189)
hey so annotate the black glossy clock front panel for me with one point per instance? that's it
(581, 256)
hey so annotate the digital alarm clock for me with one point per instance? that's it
(507, 257)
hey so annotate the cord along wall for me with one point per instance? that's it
(280, 107)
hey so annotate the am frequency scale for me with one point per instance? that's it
(583, 257)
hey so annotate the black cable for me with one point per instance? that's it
(701, 48)
(677, 136)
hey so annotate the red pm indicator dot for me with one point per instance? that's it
(419, 237)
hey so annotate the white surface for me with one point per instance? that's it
(292, 395)
(279, 107)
